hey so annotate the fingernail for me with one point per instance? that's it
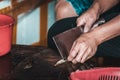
(82, 61)
(74, 61)
(78, 59)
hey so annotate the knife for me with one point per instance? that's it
(64, 41)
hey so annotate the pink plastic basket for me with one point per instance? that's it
(97, 74)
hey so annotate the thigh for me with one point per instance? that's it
(110, 48)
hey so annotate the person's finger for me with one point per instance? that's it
(80, 22)
(89, 57)
(70, 57)
(86, 55)
(82, 51)
(87, 27)
(74, 61)
(73, 51)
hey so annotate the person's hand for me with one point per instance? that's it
(87, 19)
(83, 48)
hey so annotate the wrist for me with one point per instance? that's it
(96, 36)
(95, 8)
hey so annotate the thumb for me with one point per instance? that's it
(87, 27)
(80, 22)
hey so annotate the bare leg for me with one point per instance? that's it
(63, 10)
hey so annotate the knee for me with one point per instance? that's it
(62, 8)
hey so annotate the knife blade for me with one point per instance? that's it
(64, 41)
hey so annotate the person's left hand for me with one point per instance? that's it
(83, 48)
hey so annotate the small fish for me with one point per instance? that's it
(61, 61)
(28, 66)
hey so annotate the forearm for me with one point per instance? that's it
(107, 31)
(100, 6)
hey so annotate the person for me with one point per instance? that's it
(103, 40)
(71, 8)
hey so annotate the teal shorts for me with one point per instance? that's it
(80, 5)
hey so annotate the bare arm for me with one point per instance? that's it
(86, 45)
(104, 5)
(92, 14)
(107, 31)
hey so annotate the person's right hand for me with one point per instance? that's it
(87, 19)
